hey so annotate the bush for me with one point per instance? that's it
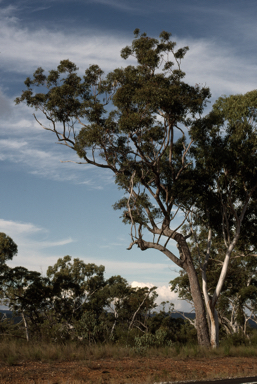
(91, 328)
(178, 329)
(235, 340)
(148, 340)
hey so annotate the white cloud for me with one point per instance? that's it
(165, 294)
(8, 11)
(22, 234)
(14, 229)
(111, 245)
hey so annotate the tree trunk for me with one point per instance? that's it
(212, 314)
(200, 313)
(213, 322)
(25, 326)
(185, 262)
(214, 334)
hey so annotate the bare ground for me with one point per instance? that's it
(139, 370)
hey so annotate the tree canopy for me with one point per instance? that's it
(8, 248)
(145, 123)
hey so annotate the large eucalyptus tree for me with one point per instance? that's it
(137, 122)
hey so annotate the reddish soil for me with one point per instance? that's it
(124, 371)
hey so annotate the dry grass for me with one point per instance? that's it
(45, 363)
(15, 351)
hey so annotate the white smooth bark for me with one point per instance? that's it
(26, 326)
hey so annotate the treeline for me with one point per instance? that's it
(74, 302)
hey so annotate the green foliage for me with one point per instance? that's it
(148, 340)
(8, 248)
(164, 155)
(239, 293)
(52, 329)
(26, 291)
(112, 311)
(74, 301)
(177, 330)
(76, 287)
(130, 139)
(90, 329)
(224, 150)
(10, 327)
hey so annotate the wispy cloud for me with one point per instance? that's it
(236, 23)
(112, 245)
(21, 232)
(25, 50)
(47, 164)
(37, 161)
(38, 9)
(27, 146)
(209, 61)
(119, 4)
(31, 240)
(8, 11)
(218, 66)
(5, 105)
(14, 229)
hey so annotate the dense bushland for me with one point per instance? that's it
(76, 307)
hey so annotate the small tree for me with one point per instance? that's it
(69, 290)
(8, 249)
(128, 308)
(76, 287)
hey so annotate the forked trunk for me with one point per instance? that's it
(200, 313)
(214, 331)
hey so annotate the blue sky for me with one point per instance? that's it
(52, 209)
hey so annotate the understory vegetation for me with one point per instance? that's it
(16, 351)
(74, 313)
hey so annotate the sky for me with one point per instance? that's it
(52, 209)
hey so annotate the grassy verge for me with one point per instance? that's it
(15, 351)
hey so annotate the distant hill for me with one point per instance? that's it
(9, 315)
(251, 323)
(180, 316)
(4, 311)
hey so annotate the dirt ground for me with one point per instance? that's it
(125, 371)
